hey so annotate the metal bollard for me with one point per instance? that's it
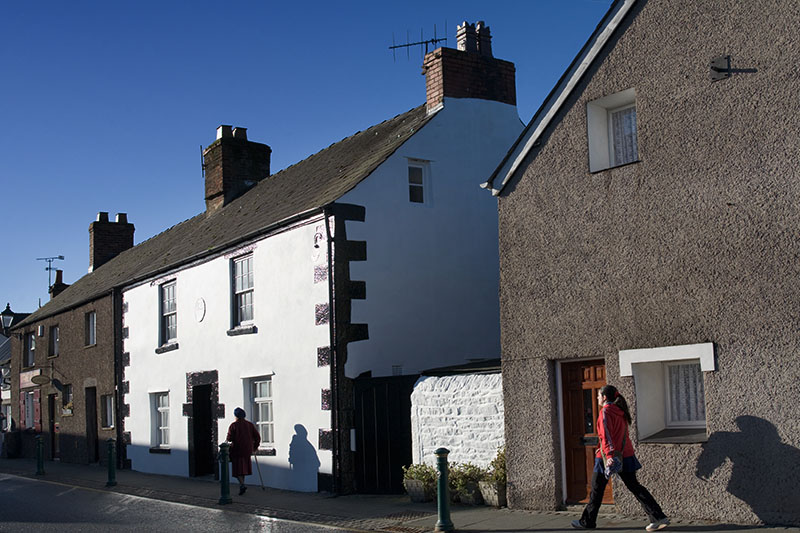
(224, 474)
(112, 463)
(443, 497)
(39, 456)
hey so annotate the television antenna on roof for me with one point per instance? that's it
(50, 267)
(422, 41)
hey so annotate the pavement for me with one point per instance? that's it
(357, 512)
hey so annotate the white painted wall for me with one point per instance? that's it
(461, 413)
(285, 347)
(432, 269)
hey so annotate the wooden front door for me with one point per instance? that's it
(580, 383)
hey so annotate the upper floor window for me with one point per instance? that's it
(169, 313)
(243, 290)
(90, 328)
(29, 350)
(418, 186)
(53, 338)
(613, 138)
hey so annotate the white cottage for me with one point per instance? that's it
(376, 256)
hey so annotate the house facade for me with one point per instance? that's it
(648, 236)
(374, 257)
(64, 359)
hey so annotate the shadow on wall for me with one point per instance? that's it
(303, 460)
(765, 470)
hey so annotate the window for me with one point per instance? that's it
(90, 328)
(169, 313)
(613, 139)
(415, 184)
(107, 411)
(670, 394)
(30, 412)
(29, 350)
(160, 417)
(66, 400)
(243, 290)
(261, 393)
(53, 338)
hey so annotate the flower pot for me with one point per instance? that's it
(494, 493)
(418, 490)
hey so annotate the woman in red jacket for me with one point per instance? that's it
(244, 439)
(616, 456)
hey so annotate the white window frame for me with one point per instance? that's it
(29, 350)
(90, 328)
(52, 339)
(668, 399)
(648, 368)
(168, 312)
(107, 411)
(156, 410)
(599, 128)
(425, 186)
(238, 320)
(256, 401)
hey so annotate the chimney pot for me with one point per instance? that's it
(224, 131)
(59, 286)
(102, 216)
(466, 37)
(240, 133)
(484, 39)
(122, 218)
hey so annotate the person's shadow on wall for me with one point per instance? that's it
(303, 461)
(765, 471)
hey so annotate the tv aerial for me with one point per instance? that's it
(50, 267)
(422, 41)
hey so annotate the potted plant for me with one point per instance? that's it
(464, 483)
(419, 481)
(493, 488)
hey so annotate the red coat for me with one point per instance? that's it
(611, 427)
(244, 438)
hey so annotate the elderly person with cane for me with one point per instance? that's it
(244, 439)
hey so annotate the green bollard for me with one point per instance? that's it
(39, 456)
(224, 474)
(443, 497)
(112, 464)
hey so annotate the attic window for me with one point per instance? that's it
(613, 138)
(418, 186)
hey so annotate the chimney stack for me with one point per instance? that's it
(469, 72)
(232, 166)
(59, 286)
(108, 239)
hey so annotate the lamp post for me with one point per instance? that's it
(8, 318)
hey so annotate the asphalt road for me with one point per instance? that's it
(42, 506)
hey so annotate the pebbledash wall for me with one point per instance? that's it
(463, 413)
(287, 298)
(432, 268)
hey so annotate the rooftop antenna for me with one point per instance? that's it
(422, 41)
(50, 267)
(202, 163)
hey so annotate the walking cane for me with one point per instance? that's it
(259, 471)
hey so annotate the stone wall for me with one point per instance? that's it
(462, 413)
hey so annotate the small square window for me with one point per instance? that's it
(612, 131)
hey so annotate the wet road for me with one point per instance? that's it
(33, 505)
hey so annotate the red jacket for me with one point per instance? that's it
(611, 427)
(244, 438)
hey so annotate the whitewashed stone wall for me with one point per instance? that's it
(461, 413)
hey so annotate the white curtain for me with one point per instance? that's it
(686, 396)
(625, 144)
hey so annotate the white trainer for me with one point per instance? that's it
(658, 525)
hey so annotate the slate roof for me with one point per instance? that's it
(302, 188)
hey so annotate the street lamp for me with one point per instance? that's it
(8, 318)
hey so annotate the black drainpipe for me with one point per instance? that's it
(334, 359)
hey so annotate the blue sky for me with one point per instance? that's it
(104, 105)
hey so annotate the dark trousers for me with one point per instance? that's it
(599, 482)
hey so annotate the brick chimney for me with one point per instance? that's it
(108, 239)
(469, 72)
(232, 166)
(59, 286)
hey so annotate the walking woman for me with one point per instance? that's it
(616, 456)
(244, 439)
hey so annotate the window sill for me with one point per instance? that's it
(242, 330)
(614, 166)
(167, 347)
(53, 356)
(85, 346)
(265, 451)
(677, 436)
(160, 450)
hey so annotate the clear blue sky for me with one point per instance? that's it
(104, 105)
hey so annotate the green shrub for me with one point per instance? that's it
(497, 468)
(464, 474)
(422, 472)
